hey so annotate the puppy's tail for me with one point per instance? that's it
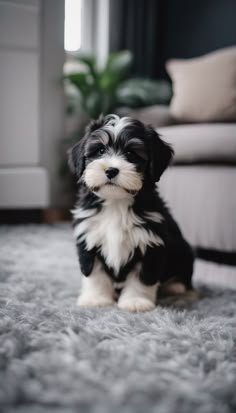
(175, 293)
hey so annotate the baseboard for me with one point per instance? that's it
(33, 216)
(220, 257)
(52, 215)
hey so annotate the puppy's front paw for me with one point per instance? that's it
(136, 304)
(85, 300)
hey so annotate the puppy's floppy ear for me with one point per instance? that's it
(76, 159)
(160, 154)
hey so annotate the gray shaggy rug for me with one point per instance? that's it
(55, 357)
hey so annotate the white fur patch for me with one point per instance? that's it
(79, 213)
(136, 296)
(117, 231)
(116, 124)
(154, 216)
(97, 289)
(127, 179)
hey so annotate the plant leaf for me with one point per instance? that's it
(143, 92)
(80, 80)
(93, 104)
(119, 64)
(89, 61)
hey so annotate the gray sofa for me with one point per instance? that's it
(200, 186)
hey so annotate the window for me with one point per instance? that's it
(72, 34)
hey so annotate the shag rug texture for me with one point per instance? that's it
(56, 357)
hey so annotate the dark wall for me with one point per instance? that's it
(196, 27)
(162, 29)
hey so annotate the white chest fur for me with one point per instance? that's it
(117, 231)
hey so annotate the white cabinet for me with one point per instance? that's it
(29, 84)
(19, 108)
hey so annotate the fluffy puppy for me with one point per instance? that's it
(127, 241)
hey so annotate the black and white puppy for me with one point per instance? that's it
(127, 241)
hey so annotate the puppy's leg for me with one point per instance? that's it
(97, 289)
(136, 296)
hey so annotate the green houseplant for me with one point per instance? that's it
(103, 90)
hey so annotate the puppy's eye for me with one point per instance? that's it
(131, 155)
(135, 156)
(95, 150)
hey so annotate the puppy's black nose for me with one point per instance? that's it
(111, 172)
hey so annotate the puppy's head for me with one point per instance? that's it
(117, 155)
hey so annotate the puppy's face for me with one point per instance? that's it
(116, 155)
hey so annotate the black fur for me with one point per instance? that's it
(159, 263)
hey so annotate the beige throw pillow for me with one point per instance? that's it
(204, 88)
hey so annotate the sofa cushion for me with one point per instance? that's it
(156, 115)
(204, 87)
(202, 143)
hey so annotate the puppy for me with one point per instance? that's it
(127, 241)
